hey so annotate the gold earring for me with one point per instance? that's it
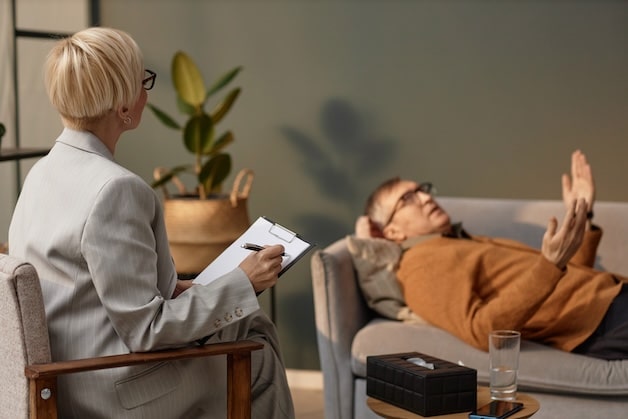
(127, 120)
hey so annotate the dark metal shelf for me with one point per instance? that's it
(7, 154)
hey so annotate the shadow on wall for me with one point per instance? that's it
(346, 164)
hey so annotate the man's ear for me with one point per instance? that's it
(366, 228)
(393, 233)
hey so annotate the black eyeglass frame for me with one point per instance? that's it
(425, 187)
(150, 80)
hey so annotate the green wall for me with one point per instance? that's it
(483, 98)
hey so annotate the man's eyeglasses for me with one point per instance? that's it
(411, 197)
(149, 81)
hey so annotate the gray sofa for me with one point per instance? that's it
(567, 385)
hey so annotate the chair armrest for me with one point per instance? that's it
(43, 377)
(53, 369)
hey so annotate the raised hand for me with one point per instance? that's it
(580, 184)
(559, 245)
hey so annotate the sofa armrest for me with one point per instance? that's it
(340, 312)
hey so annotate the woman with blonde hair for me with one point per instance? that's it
(95, 233)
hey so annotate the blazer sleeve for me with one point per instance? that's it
(133, 274)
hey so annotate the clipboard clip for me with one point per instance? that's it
(282, 233)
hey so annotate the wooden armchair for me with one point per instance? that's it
(28, 378)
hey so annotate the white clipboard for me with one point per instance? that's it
(263, 232)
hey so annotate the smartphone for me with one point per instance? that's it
(496, 409)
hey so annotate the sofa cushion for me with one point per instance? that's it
(541, 368)
(375, 261)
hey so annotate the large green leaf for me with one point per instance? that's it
(185, 108)
(223, 141)
(214, 172)
(223, 81)
(163, 117)
(188, 80)
(198, 134)
(223, 107)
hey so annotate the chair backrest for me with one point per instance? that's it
(23, 332)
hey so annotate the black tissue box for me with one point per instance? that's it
(448, 388)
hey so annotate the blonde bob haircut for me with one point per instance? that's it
(93, 72)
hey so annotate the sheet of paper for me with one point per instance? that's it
(263, 232)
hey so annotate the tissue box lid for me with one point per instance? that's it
(448, 388)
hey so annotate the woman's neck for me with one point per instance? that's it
(108, 130)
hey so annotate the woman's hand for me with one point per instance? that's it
(263, 267)
(181, 286)
(580, 184)
(560, 246)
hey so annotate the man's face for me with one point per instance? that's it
(412, 212)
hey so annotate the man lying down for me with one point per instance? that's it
(469, 285)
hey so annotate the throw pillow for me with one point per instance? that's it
(376, 261)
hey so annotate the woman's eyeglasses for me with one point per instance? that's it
(411, 197)
(149, 81)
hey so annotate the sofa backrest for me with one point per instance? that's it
(526, 221)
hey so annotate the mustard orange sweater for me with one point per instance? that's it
(472, 286)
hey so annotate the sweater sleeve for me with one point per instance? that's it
(512, 306)
(588, 250)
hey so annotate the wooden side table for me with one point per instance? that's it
(530, 407)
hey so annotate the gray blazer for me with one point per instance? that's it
(95, 233)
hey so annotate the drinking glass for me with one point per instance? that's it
(504, 363)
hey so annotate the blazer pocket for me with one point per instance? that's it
(148, 385)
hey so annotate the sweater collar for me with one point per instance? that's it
(457, 232)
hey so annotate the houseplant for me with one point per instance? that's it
(211, 164)
(204, 221)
